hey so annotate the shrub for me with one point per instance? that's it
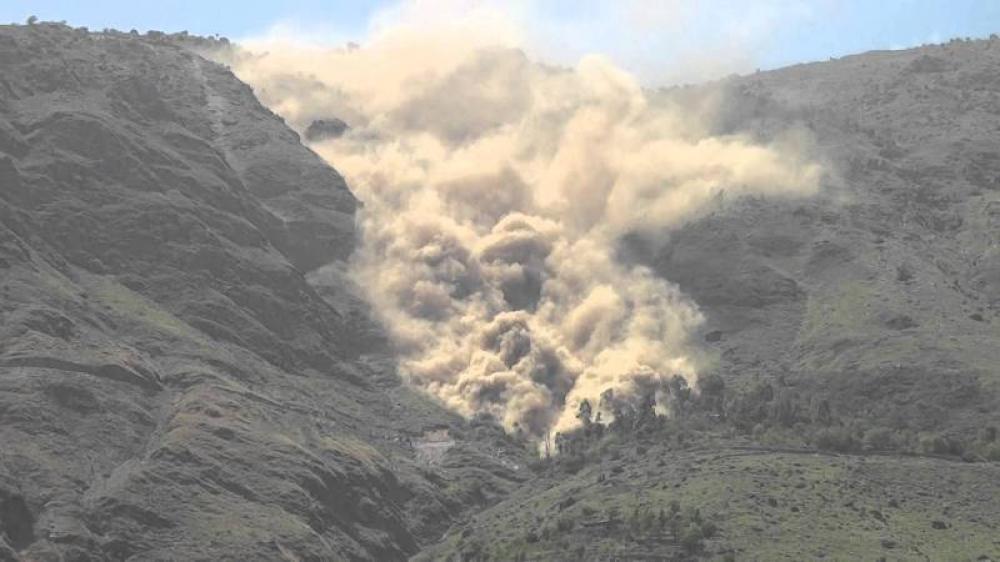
(572, 464)
(988, 434)
(691, 539)
(838, 439)
(694, 514)
(879, 439)
(992, 452)
(711, 384)
(565, 524)
(937, 444)
(904, 274)
(648, 521)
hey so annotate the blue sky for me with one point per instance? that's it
(718, 35)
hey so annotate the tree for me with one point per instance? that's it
(680, 394)
(764, 392)
(646, 416)
(751, 407)
(711, 384)
(32, 20)
(584, 412)
(607, 402)
(823, 414)
(713, 392)
(784, 409)
(610, 404)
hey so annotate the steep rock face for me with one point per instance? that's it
(171, 384)
(881, 293)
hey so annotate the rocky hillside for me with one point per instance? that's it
(718, 501)
(856, 334)
(179, 378)
(883, 295)
(186, 373)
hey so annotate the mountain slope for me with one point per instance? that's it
(725, 502)
(185, 372)
(882, 295)
(172, 386)
(876, 300)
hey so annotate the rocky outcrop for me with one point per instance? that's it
(325, 129)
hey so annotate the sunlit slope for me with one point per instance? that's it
(884, 293)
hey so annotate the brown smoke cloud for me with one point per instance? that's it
(496, 190)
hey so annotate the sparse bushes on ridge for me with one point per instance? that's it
(769, 416)
(686, 529)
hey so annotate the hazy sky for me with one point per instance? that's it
(661, 41)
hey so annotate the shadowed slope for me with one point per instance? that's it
(171, 384)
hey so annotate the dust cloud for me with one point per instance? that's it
(497, 191)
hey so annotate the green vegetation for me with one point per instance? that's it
(765, 472)
(766, 414)
(727, 500)
(129, 304)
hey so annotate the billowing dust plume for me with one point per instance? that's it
(496, 193)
